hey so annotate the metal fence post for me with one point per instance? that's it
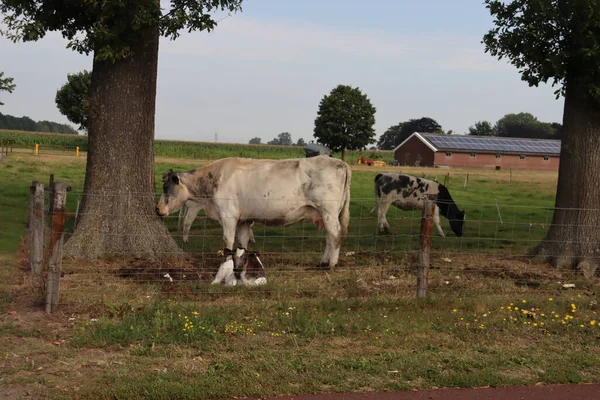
(56, 245)
(425, 245)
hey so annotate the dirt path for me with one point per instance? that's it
(547, 392)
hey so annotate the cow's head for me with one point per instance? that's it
(174, 195)
(456, 222)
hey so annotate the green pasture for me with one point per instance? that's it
(491, 318)
(502, 216)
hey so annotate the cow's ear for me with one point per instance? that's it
(175, 179)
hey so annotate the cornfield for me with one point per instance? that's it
(178, 149)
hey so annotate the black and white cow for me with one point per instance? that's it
(239, 191)
(406, 192)
(241, 267)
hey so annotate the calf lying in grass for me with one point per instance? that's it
(241, 267)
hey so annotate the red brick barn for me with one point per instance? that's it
(465, 151)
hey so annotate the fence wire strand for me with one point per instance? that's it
(491, 250)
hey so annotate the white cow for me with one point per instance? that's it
(241, 267)
(237, 192)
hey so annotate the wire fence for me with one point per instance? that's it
(489, 256)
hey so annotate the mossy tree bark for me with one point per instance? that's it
(118, 206)
(573, 240)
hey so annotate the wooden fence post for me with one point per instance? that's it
(51, 194)
(56, 245)
(425, 245)
(466, 180)
(35, 234)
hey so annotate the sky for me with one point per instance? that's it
(264, 71)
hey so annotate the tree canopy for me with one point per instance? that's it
(345, 120)
(396, 134)
(283, 139)
(73, 98)
(523, 125)
(518, 125)
(482, 128)
(108, 28)
(255, 140)
(549, 40)
(6, 85)
(300, 142)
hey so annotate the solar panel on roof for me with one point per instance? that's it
(494, 144)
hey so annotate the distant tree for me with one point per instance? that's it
(255, 140)
(557, 41)
(73, 99)
(283, 139)
(558, 131)
(27, 124)
(396, 134)
(392, 137)
(6, 85)
(482, 128)
(522, 125)
(301, 142)
(49, 126)
(345, 120)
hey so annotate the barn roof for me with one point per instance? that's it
(484, 144)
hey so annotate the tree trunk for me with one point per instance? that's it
(118, 206)
(344, 154)
(573, 238)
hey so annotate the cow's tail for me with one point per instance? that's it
(346, 210)
(377, 194)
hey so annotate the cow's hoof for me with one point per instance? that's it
(384, 232)
(323, 266)
(319, 267)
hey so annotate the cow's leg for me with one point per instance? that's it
(436, 221)
(229, 226)
(333, 239)
(382, 208)
(244, 234)
(191, 213)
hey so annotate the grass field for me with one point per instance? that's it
(357, 329)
